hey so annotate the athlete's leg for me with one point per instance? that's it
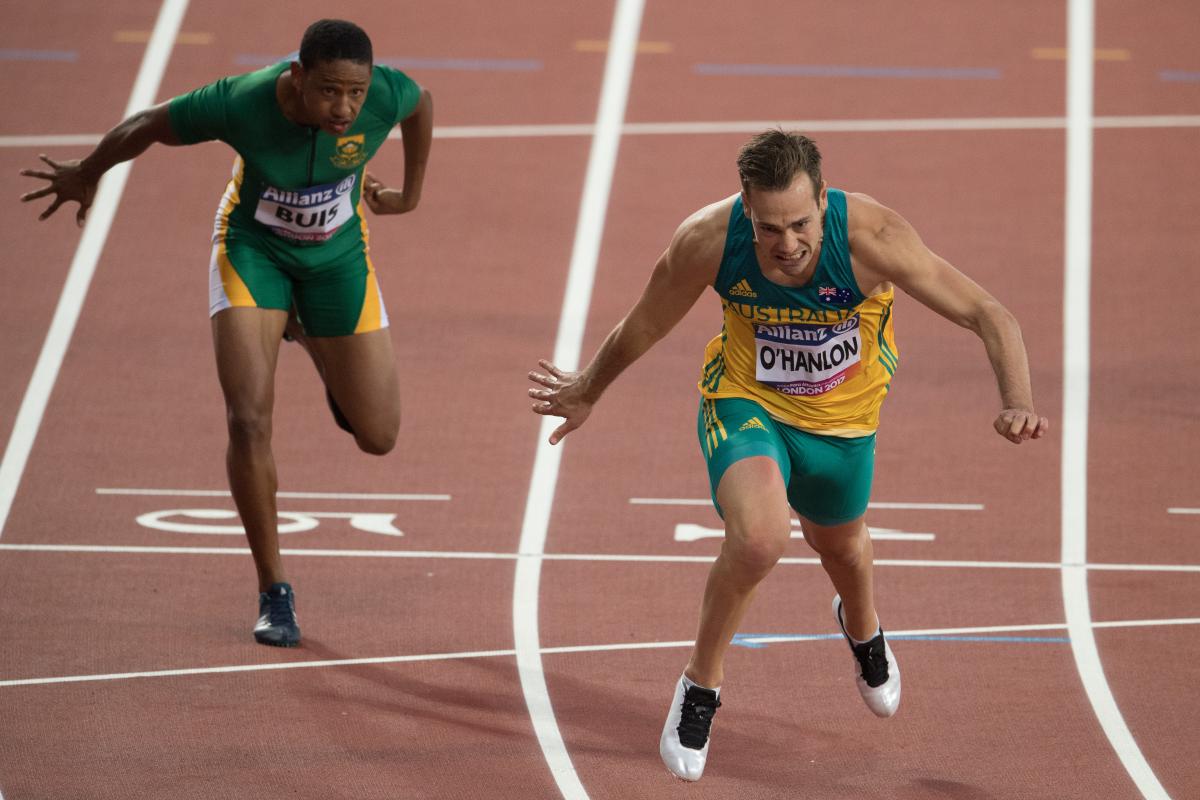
(360, 371)
(753, 498)
(246, 341)
(846, 554)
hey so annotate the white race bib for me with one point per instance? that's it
(308, 215)
(806, 359)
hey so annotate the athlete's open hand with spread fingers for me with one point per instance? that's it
(68, 181)
(561, 396)
(1019, 424)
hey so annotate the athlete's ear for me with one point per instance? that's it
(822, 196)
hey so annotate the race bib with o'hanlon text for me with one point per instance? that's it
(307, 215)
(807, 359)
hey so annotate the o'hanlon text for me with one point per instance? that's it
(807, 358)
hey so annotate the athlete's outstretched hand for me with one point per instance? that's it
(67, 182)
(382, 200)
(1019, 424)
(562, 396)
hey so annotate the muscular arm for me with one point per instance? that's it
(886, 248)
(77, 179)
(688, 266)
(417, 133)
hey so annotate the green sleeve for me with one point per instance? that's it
(199, 115)
(403, 88)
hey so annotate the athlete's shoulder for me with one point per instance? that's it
(393, 94)
(247, 86)
(700, 239)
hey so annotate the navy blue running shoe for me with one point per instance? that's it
(276, 624)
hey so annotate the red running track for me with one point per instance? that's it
(407, 685)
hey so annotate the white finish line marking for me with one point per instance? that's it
(704, 501)
(685, 532)
(470, 654)
(284, 495)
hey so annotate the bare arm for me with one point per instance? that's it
(417, 132)
(688, 266)
(77, 179)
(886, 248)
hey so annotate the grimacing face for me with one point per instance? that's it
(788, 224)
(332, 93)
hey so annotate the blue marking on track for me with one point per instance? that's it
(459, 64)
(1179, 75)
(846, 71)
(13, 54)
(753, 640)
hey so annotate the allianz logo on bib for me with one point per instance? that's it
(312, 214)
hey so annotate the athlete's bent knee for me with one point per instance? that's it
(844, 551)
(378, 441)
(752, 556)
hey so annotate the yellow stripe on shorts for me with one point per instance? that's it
(236, 290)
(713, 427)
(371, 318)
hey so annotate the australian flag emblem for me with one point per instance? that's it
(835, 295)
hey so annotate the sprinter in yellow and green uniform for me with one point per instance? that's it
(790, 395)
(291, 254)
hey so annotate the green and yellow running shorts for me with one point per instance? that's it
(828, 478)
(333, 285)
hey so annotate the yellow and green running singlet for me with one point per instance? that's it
(817, 357)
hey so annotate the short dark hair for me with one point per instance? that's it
(333, 40)
(773, 159)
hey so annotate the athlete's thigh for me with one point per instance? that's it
(360, 372)
(748, 468)
(246, 343)
(831, 476)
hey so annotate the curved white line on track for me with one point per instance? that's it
(589, 227)
(83, 265)
(1076, 366)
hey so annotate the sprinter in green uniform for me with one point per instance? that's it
(291, 256)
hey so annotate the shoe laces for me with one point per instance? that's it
(695, 719)
(279, 609)
(872, 657)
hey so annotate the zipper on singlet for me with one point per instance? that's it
(312, 154)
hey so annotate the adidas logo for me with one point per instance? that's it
(742, 289)
(753, 422)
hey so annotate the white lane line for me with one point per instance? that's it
(285, 495)
(1076, 377)
(742, 126)
(564, 650)
(467, 555)
(1183, 510)
(704, 501)
(585, 253)
(83, 265)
